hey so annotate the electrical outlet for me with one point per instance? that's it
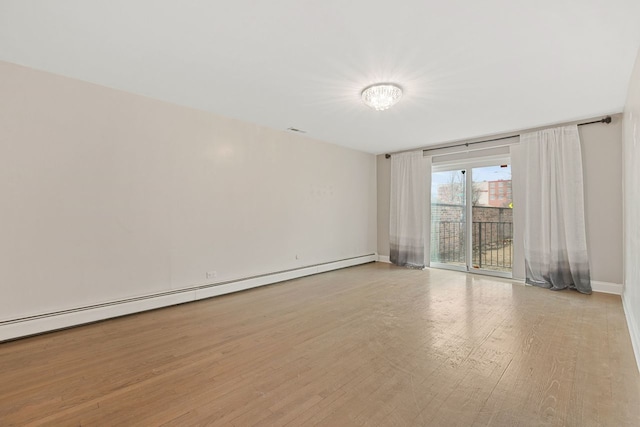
(212, 274)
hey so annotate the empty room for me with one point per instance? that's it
(298, 213)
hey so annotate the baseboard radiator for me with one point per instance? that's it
(32, 325)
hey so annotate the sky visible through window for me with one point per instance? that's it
(489, 173)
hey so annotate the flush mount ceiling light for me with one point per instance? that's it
(381, 96)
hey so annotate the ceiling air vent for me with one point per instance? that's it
(296, 130)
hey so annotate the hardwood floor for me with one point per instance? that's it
(368, 345)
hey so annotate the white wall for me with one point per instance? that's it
(107, 195)
(602, 166)
(631, 151)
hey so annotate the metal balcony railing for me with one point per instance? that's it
(492, 244)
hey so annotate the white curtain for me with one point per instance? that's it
(555, 245)
(407, 216)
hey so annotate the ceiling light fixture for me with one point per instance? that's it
(381, 96)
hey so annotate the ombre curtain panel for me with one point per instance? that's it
(555, 245)
(408, 209)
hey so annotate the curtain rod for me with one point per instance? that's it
(606, 120)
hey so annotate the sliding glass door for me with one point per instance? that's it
(492, 211)
(449, 219)
(472, 217)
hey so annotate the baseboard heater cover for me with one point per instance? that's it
(33, 325)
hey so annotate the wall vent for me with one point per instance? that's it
(296, 130)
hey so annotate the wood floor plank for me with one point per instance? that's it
(374, 345)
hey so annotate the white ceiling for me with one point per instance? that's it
(469, 68)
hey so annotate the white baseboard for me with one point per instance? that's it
(606, 287)
(596, 286)
(18, 328)
(384, 258)
(632, 325)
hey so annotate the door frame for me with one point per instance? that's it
(468, 165)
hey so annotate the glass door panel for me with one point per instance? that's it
(449, 219)
(492, 225)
